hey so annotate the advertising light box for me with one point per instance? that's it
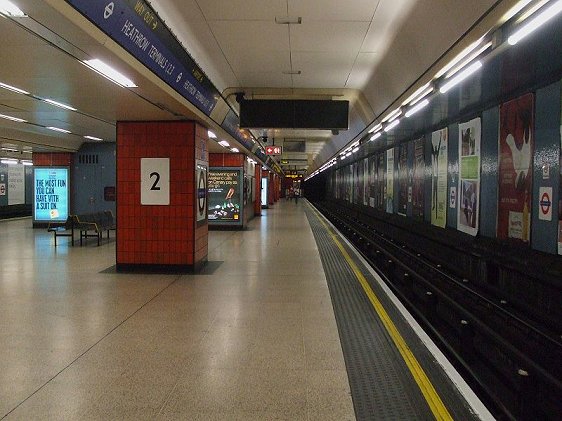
(50, 194)
(225, 196)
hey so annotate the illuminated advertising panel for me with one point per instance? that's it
(50, 194)
(225, 195)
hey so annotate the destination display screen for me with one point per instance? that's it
(50, 194)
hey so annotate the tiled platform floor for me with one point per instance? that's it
(253, 338)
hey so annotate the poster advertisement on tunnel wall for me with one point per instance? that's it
(381, 181)
(439, 163)
(372, 176)
(516, 145)
(358, 182)
(560, 194)
(402, 179)
(224, 188)
(469, 176)
(366, 182)
(389, 193)
(418, 179)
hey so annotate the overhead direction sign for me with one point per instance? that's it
(273, 150)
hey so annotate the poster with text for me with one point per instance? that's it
(51, 191)
(366, 182)
(201, 186)
(418, 179)
(16, 184)
(402, 179)
(224, 195)
(469, 176)
(389, 193)
(560, 195)
(381, 181)
(358, 182)
(516, 168)
(372, 178)
(439, 164)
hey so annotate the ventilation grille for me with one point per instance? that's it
(88, 159)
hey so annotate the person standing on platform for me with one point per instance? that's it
(297, 193)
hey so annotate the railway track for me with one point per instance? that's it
(508, 356)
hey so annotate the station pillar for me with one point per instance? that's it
(161, 196)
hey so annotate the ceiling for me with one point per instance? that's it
(370, 52)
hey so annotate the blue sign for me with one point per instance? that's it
(50, 198)
(135, 26)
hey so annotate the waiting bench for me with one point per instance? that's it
(94, 224)
(88, 225)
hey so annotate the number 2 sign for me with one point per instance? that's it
(155, 181)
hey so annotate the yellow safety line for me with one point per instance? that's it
(433, 400)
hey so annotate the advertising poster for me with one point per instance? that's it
(389, 194)
(16, 184)
(372, 178)
(469, 176)
(50, 198)
(224, 187)
(402, 179)
(348, 180)
(560, 196)
(201, 186)
(358, 182)
(515, 168)
(366, 182)
(418, 179)
(381, 182)
(439, 164)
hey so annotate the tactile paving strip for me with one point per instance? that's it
(382, 388)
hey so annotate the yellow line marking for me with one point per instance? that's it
(430, 394)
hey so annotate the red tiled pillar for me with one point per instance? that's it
(164, 235)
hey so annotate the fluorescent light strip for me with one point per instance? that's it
(211, 134)
(392, 125)
(27, 163)
(418, 92)
(9, 149)
(459, 57)
(110, 73)
(417, 108)
(531, 11)
(376, 128)
(515, 9)
(7, 8)
(391, 116)
(235, 150)
(93, 138)
(224, 143)
(375, 136)
(9, 161)
(7, 117)
(536, 22)
(469, 59)
(59, 104)
(56, 129)
(355, 150)
(461, 76)
(13, 89)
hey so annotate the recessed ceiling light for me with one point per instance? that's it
(93, 138)
(13, 88)
(57, 129)
(211, 134)
(235, 150)
(9, 161)
(110, 73)
(224, 143)
(59, 104)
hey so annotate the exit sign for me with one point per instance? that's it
(273, 150)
